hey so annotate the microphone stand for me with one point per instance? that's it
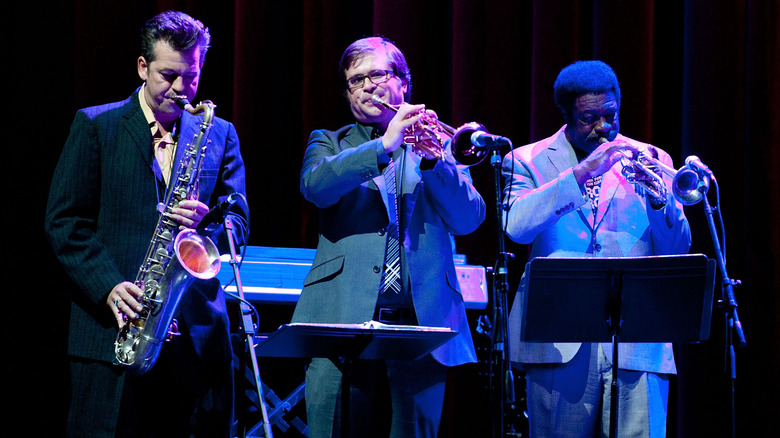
(500, 303)
(733, 326)
(248, 327)
(499, 353)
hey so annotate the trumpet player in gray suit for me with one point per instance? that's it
(101, 214)
(567, 197)
(343, 174)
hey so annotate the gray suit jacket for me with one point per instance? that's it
(549, 211)
(341, 175)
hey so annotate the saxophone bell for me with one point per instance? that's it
(139, 343)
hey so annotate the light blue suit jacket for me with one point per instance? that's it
(548, 210)
(341, 176)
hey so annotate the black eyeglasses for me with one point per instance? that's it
(376, 77)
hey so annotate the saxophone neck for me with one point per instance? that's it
(206, 107)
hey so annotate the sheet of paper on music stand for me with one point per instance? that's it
(370, 340)
(663, 298)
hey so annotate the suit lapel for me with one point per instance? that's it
(562, 157)
(379, 183)
(609, 187)
(407, 178)
(408, 175)
(410, 179)
(188, 127)
(137, 128)
(356, 136)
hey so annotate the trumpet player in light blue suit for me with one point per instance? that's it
(567, 197)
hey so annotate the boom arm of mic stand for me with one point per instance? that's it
(249, 331)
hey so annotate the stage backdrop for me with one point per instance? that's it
(698, 78)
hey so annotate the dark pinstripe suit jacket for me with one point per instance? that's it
(102, 211)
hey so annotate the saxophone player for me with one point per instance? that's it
(113, 172)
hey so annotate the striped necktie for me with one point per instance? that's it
(391, 276)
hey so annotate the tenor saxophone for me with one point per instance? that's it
(173, 261)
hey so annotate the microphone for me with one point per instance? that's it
(215, 216)
(695, 163)
(481, 138)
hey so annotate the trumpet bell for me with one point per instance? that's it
(464, 150)
(688, 187)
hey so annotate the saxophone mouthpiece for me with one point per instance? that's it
(181, 101)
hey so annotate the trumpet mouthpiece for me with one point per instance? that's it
(378, 101)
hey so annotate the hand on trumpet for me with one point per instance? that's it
(406, 118)
(603, 158)
(415, 126)
(643, 165)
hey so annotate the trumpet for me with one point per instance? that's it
(644, 171)
(428, 136)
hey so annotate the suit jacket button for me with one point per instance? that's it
(377, 269)
(381, 232)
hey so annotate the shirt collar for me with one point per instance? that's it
(147, 110)
(149, 115)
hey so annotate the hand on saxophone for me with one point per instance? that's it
(123, 302)
(188, 213)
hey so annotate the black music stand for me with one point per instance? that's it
(345, 343)
(618, 299)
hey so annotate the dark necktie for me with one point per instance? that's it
(391, 277)
(163, 151)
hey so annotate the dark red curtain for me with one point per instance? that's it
(698, 78)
